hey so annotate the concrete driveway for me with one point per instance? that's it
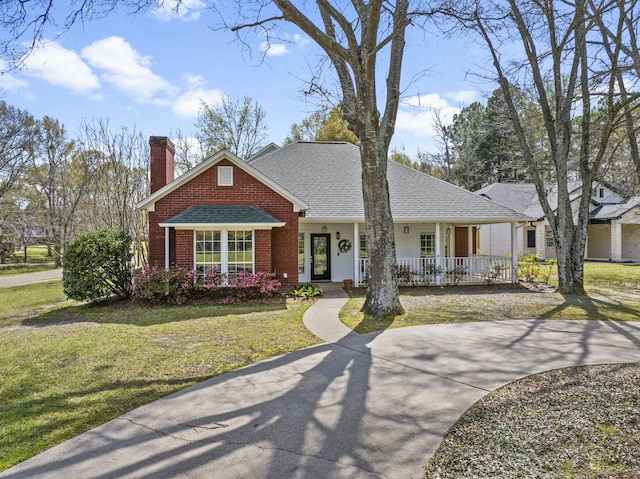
(29, 278)
(367, 406)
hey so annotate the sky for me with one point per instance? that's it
(151, 70)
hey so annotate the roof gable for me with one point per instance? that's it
(149, 202)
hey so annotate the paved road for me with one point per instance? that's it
(370, 406)
(28, 278)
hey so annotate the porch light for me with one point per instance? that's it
(324, 229)
(448, 231)
(406, 229)
(337, 234)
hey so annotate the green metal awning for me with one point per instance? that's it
(224, 217)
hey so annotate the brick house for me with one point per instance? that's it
(297, 212)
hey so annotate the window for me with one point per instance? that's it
(300, 253)
(228, 252)
(363, 246)
(601, 193)
(208, 252)
(225, 175)
(427, 244)
(531, 238)
(240, 252)
(550, 243)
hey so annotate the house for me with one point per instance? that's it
(613, 232)
(297, 212)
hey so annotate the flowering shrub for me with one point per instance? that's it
(176, 285)
(157, 285)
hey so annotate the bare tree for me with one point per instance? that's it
(18, 142)
(238, 126)
(120, 161)
(357, 37)
(58, 179)
(576, 91)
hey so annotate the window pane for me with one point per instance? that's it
(363, 246)
(240, 257)
(207, 254)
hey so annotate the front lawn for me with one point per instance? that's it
(578, 422)
(67, 367)
(612, 294)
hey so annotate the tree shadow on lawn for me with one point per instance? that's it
(127, 312)
(592, 308)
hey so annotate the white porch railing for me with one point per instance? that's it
(424, 271)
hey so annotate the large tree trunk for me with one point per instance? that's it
(382, 296)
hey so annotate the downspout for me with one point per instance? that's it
(166, 248)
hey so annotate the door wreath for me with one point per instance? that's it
(344, 246)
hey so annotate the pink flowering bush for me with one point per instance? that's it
(177, 285)
(157, 285)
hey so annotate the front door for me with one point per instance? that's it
(320, 257)
(462, 241)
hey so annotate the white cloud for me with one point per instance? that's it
(300, 40)
(188, 104)
(274, 49)
(62, 67)
(185, 10)
(125, 68)
(8, 81)
(417, 114)
(464, 97)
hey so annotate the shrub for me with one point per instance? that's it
(177, 285)
(97, 265)
(530, 269)
(306, 291)
(157, 285)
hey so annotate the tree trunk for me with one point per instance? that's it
(382, 296)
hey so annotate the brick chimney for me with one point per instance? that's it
(161, 166)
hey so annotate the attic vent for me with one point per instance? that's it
(225, 175)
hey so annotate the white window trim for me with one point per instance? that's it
(435, 249)
(224, 249)
(225, 175)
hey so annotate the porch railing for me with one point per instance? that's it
(424, 271)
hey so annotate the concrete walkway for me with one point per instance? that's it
(29, 278)
(360, 406)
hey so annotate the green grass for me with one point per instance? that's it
(68, 367)
(612, 294)
(36, 255)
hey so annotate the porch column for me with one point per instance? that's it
(438, 252)
(356, 254)
(166, 247)
(514, 252)
(541, 240)
(616, 241)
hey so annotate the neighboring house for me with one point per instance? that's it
(297, 212)
(613, 232)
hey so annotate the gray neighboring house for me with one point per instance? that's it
(436, 224)
(613, 232)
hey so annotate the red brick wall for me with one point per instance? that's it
(161, 167)
(275, 250)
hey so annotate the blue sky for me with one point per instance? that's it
(151, 70)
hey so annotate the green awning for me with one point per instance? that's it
(223, 216)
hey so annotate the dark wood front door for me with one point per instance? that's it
(320, 257)
(462, 241)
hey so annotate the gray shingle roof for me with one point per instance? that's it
(614, 211)
(522, 197)
(327, 176)
(222, 214)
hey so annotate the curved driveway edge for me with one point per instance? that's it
(362, 406)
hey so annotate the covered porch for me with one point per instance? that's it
(427, 253)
